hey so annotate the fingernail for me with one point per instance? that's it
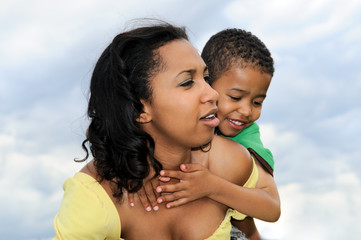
(159, 200)
(158, 189)
(156, 208)
(169, 206)
(161, 173)
(148, 209)
(132, 204)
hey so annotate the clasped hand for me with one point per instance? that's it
(193, 181)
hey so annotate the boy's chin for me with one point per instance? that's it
(229, 133)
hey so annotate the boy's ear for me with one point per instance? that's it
(145, 116)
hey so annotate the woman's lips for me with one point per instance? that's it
(211, 120)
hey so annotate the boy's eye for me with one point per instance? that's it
(207, 78)
(257, 103)
(235, 98)
(187, 83)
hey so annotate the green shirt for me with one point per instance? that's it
(250, 138)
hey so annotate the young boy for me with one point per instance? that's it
(241, 68)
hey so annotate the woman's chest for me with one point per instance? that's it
(195, 220)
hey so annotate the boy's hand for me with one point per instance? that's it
(147, 195)
(194, 184)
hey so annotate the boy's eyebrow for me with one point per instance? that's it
(261, 95)
(244, 91)
(239, 90)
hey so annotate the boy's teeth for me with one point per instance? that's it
(236, 122)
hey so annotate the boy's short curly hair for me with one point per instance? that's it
(236, 47)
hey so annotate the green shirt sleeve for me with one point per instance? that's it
(250, 137)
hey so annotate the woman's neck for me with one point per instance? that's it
(170, 157)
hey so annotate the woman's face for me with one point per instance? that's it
(181, 111)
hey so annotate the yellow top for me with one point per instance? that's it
(87, 212)
(223, 232)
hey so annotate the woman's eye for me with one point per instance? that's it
(187, 83)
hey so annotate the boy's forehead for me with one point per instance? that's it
(243, 74)
(242, 66)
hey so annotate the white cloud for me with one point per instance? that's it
(271, 136)
(320, 187)
(349, 120)
(31, 191)
(329, 214)
(6, 141)
(291, 23)
(39, 29)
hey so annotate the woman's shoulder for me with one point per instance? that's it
(86, 209)
(81, 193)
(223, 145)
(230, 159)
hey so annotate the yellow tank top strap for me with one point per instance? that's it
(253, 178)
(251, 183)
(224, 229)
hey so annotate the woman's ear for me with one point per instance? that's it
(145, 116)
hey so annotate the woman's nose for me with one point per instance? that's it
(210, 95)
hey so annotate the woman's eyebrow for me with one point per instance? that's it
(190, 71)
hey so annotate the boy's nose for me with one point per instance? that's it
(245, 110)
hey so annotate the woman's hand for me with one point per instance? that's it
(194, 183)
(147, 195)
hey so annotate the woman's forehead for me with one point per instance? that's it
(180, 54)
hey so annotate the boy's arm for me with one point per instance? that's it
(196, 182)
(262, 202)
(247, 226)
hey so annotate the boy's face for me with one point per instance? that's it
(241, 94)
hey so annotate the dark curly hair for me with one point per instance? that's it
(236, 47)
(124, 153)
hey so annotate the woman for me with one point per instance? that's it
(150, 104)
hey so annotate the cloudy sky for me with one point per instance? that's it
(311, 118)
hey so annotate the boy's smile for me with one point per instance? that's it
(241, 94)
